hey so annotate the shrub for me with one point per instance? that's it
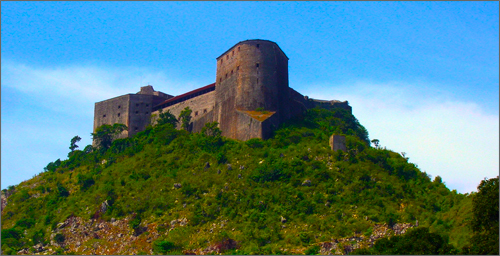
(162, 246)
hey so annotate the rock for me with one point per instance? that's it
(218, 171)
(184, 205)
(113, 220)
(177, 185)
(239, 176)
(61, 225)
(207, 165)
(120, 235)
(283, 220)
(229, 167)
(306, 183)
(104, 206)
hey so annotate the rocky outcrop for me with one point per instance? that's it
(346, 245)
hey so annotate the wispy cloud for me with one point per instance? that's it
(48, 106)
(68, 87)
(455, 140)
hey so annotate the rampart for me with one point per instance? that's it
(249, 98)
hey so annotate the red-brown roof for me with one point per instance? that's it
(187, 94)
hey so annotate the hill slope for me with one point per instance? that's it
(168, 191)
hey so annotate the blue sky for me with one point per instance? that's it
(422, 77)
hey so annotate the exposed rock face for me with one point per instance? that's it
(345, 246)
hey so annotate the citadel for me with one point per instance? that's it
(250, 97)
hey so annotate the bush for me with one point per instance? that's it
(312, 250)
(162, 246)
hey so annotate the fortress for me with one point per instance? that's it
(250, 97)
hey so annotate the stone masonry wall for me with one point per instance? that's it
(200, 105)
(114, 110)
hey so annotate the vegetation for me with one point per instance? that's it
(284, 195)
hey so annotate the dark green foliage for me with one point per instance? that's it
(313, 250)
(162, 246)
(62, 191)
(59, 238)
(167, 118)
(185, 118)
(105, 134)
(485, 219)
(74, 140)
(415, 241)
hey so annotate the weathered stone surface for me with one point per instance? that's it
(177, 185)
(337, 142)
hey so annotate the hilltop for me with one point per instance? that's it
(168, 191)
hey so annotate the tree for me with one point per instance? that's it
(375, 142)
(415, 241)
(73, 145)
(105, 134)
(485, 219)
(185, 118)
(167, 118)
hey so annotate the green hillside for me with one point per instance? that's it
(167, 191)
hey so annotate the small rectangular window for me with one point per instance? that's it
(136, 128)
(204, 111)
(233, 53)
(220, 80)
(221, 60)
(257, 45)
(227, 57)
(118, 114)
(196, 113)
(238, 48)
(103, 115)
(257, 65)
(231, 72)
(238, 68)
(137, 112)
(226, 75)
(119, 106)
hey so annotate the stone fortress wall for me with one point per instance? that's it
(251, 76)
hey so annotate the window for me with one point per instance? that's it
(238, 48)
(220, 80)
(221, 60)
(119, 106)
(118, 114)
(231, 72)
(136, 128)
(257, 65)
(233, 53)
(257, 45)
(204, 111)
(238, 68)
(227, 57)
(196, 113)
(147, 105)
(226, 75)
(103, 115)
(137, 111)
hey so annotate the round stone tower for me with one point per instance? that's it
(251, 75)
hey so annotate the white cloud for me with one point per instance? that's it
(73, 88)
(51, 105)
(455, 140)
